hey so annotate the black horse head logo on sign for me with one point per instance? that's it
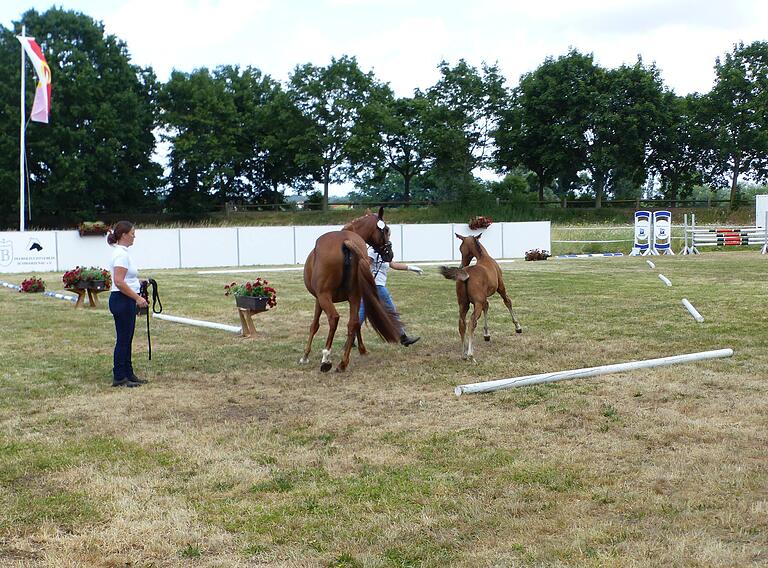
(35, 245)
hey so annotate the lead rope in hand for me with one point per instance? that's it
(157, 306)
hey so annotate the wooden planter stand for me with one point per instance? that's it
(91, 289)
(246, 307)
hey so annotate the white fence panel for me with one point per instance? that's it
(265, 245)
(306, 237)
(33, 251)
(75, 250)
(428, 242)
(208, 247)
(522, 237)
(155, 248)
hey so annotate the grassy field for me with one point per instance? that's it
(235, 455)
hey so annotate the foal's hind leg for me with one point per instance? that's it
(463, 309)
(479, 307)
(313, 327)
(507, 302)
(486, 333)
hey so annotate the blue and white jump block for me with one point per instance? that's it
(653, 233)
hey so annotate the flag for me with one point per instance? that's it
(41, 109)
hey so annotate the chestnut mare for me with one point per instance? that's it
(474, 285)
(337, 270)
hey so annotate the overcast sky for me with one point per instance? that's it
(402, 41)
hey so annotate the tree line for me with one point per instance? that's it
(569, 129)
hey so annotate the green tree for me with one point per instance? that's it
(96, 153)
(544, 124)
(227, 132)
(622, 127)
(735, 119)
(465, 108)
(392, 139)
(674, 155)
(332, 99)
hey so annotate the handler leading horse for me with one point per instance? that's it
(337, 270)
(474, 285)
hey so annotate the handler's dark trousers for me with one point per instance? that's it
(123, 309)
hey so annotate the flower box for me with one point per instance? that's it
(253, 303)
(95, 228)
(480, 222)
(79, 278)
(98, 285)
(257, 296)
(33, 285)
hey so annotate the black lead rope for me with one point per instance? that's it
(157, 306)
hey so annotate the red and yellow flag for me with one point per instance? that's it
(41, 109)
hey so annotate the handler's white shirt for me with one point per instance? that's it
(121, 258)
(379, 267)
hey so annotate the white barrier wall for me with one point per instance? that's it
(57, 251)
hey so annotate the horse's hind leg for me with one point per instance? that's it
(486, 333)
(479, 307)
(313, 327)
(463, 309)
(353, 330)
(507, 302)
(333, 321)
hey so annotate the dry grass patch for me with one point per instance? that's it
(234, 455)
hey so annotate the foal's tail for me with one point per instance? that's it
(377, 315)
(452, 273)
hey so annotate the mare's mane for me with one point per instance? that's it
(348, 226)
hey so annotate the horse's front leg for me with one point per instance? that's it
(313, 327)
(353, 330)
(333, 321)
(486, 333)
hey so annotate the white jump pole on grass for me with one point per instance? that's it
(60, 296)
(650, 264)
(200, 323)
(693, 311)
(9, 285)
(666, 280)
(501, 384)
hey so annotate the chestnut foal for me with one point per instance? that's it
(474, 285)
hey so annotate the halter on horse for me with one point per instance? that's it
(337, 270)
(474, 285)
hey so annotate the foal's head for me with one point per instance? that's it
(470, 248)
(374, 231)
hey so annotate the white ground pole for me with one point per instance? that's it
(200, 323)
(665, 280)
(693, 311)
(60, 296)
(9, 285)
(501, 384)
(650, 264)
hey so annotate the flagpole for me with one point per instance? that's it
(22, 141)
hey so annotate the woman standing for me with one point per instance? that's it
(123, 301)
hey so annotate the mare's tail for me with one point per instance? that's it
(452, 273)
(384, 322)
